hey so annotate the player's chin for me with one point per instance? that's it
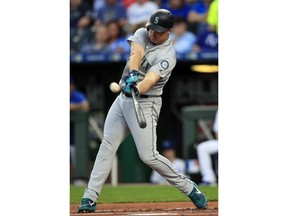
(156, 42)
(152, 39)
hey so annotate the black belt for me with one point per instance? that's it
(141, 96)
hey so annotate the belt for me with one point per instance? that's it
(141, 96)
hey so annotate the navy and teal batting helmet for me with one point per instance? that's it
(161, 21)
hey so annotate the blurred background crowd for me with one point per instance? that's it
(102, 26)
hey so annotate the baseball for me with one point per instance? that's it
(114, 87)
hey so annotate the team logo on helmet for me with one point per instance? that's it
(164, 64)
(156, 20)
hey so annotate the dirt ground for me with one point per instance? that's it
(150, 209)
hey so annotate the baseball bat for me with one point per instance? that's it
(138, 111)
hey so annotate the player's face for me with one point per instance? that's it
(157, 37)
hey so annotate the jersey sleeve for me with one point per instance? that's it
(164, 66)
(140, 37)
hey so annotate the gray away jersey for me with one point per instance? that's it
(160, 59)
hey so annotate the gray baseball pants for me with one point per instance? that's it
(120, 121)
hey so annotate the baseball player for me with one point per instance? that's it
(148, 68)
(204, 151)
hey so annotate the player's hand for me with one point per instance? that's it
(132, 77)
(133, 86)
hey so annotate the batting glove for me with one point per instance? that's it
(133, 86)
(132, 77)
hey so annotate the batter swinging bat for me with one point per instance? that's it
(138, 111)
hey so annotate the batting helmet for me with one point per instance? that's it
(161, 20)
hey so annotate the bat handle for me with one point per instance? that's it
(134, 95)
(138, 111)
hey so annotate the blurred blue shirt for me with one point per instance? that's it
(77, 97)
(199, 7)
(208, 41)
(119, 43)
(179, 12)
(184, 43)
(108, 13)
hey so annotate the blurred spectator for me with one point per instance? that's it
(161, 3)
(80, 14)
(168, 151)
(78, 102)
(212, 18)
(139, 13)
(127, 3)
(183, 40)
(179, 8)
(97, 4)
(111, 10)
(206, 41)
(99, 44)
(80, 20)
(198, 16)
(77, 99)
(204, 152)
(117, 42)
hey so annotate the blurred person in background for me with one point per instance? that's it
(197, 18)
(168, 151)
(212, 17)
(111, 10)
(127, 3)
(80, 22)
(97, 5)
(117, 41)
(161, 3)
(204, 151)
(100, 42)
(183, 40)
(78, 102)
(206, 41)
(80, 15)
(139, 13)
(178, 7)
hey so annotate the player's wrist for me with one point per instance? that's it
(135, 88)
(136, 72)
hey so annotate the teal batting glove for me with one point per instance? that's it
(131, 77)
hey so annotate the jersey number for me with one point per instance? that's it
(145, 64)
